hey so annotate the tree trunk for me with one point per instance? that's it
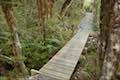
(109, 51)
(50, 4)
(16, 47)
(65, 7)
(42, 15)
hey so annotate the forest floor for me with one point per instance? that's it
(86, 68)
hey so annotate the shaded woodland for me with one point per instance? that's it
(33, 31)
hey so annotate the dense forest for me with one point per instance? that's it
(33, 32)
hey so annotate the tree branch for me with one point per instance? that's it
(5, 58)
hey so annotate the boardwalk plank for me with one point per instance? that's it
(62, 65)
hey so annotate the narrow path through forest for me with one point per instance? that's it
(62, 65)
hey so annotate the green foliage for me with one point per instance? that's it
(41, 53)
(89, 64)
(2, 78)
(58, 32)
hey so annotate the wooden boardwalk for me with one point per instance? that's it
(62, 65)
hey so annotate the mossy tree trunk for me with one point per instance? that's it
(109, 51)
(20, 68)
